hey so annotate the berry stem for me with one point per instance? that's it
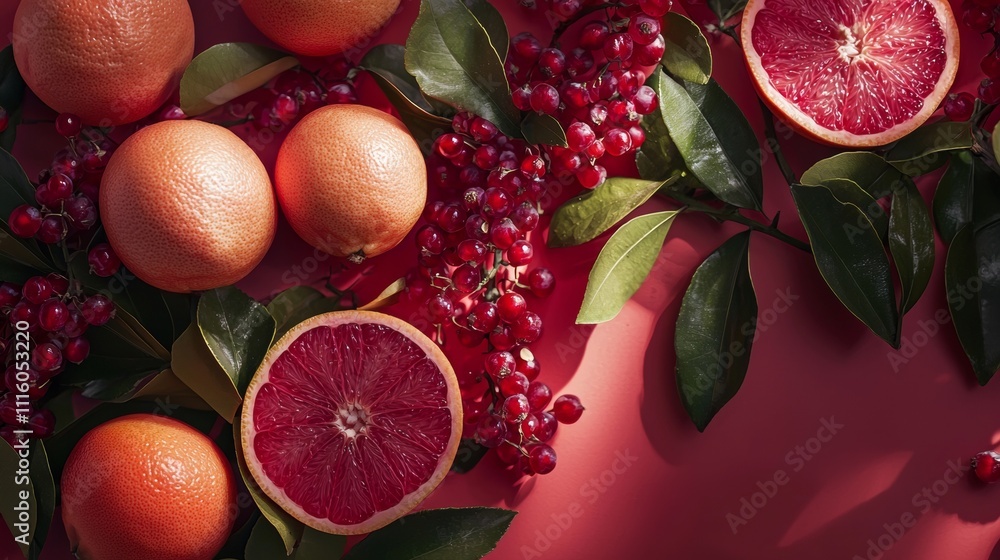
(729, 214)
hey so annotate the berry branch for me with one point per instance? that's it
(733, 215)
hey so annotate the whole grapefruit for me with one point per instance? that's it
(319, 27)
(352, 419)
(107, 61)
(351, 180)
(147, 487)
(855, 73)
(188, 206)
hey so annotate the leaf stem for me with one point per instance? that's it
(730, 215)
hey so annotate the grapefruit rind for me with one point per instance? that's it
(806, 125)
(410, 501)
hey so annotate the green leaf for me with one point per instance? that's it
(194, 365)
(437, 534)
(44, 487)
(116, 353)
(953, 196)
(911, 242)
(623, 265)
(237, 330)
(849, 192)
(926, 148)
(715, 139)
(265, 543)
(420, 115)
(493, 23)
(715, 331)
(973, 294)
(316, 545)
(851, 260)
(12, 90)
(868, 170)
(17, 494)
(294, 305)
(289, 529)
(543, 129)
(468, 456)
(585, 217)
(658, 157)
(726, 9)
(226, 71)
(451, 56)
(996, 145)
(687, 55)
(16, 190)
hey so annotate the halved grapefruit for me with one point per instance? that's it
(353, 418)
(852, 72)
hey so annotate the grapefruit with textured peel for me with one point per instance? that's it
(146, 487)
(319, 27)
(854, 73)
(109, 62)
(352, 419)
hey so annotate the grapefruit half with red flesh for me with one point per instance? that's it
(353, 418)
(854, 73)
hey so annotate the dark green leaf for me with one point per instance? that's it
(450, 54)
(972, 278)
(868, 170)
(12, 270)
(926, 148)
(226, 71)
(12, 90)
(44, 490)
(911, 242)
(493, 23)
(715, 331)
(316, 545)
(715, 139)
(437, 534)
(116, 353)
(587, 216)
(849, 192)
(294, 305)
(543, 129)
(265, 543)
(726, 9)
(420, 115)
(996, 145)
(468, 456)
(687, 55)
(117, 389)
(194, 365)
(17, 494)
(852, 260)
(658, 157)
(16, 190)
(623, 265)
(237, 330)
(289, 528)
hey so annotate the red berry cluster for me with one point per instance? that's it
(982, 16)
(66, 197)
(596, 90)
(55, 317)
(296, 93)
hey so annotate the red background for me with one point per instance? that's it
(812, 362)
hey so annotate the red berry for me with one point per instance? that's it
(477, 228)
(510, 306)
(449, 145)
(60, 284)
(552, 62)
(37, 289)
(500, 364)
(989, 91)
(525, 217)
(645, 100)
(527, 328)
(68, 125)
(24, 312)
(541, 282)
(979, 19)
(522, 97)
(579, 136)
(547, 426)
(502, 338)
(986, 465)
(566, 9)
(472, 251)
(648, 55)
(57, 189)
(36, 384)
(515, 408)
(618, 47)
(959, 106)
(75, 325)
(486, 157)
(527, 46)
(643, 29)
(483, 130)
(46, 357)
(483, 317)
(593, 35)
(76, 350)
(575, 95)
(539, 395)
(25, 221)
(52, 315)
(103, 260)
(52, 231)
(466, 278)
(509, 454)
(520, 253)
(430, 239)
(528, 426)
(491, 431)
(97, 310)
(579, 63)
(544, 99)
(617, 142)
(9, 410)
(542, 458)
(567, 409)
(655, 8)
(504, 233)
(513, 384)
(496, 203)
(10, 294)
(80, 213)
(42, 423)
(439, 308)
(991, 64)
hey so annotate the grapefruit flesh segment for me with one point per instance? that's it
(852, 72)
(351, 421)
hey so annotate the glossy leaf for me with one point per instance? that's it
(687, 53)
(195, 366)
(116, 353)
(543, 129)
(468, 456)
(623, 265)
(851, 260)
(294, 305)
(289, 529)
(237, 330)
(437, 534)
(265, 543)
(658, 157)
(715, 331)
(953, 197)
(715, 139)
(12, 90)
(585, 217)
(911, 243)
(492, 21)
(973, 295)
(926, 148)
(450, 54)
(726, 9)
(849, 192)
(425, 119)
(868, 170)
(226, 71)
